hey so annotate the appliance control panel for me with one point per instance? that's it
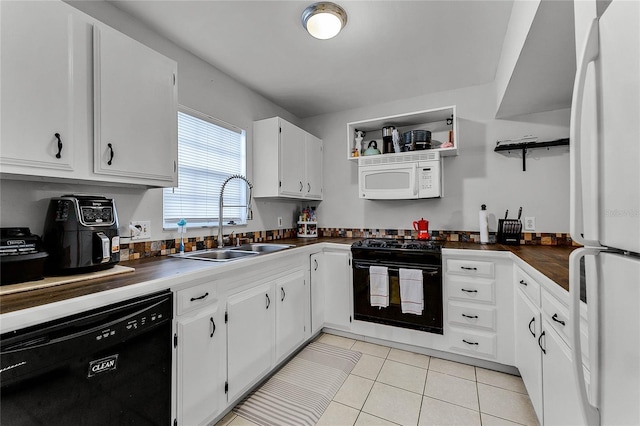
(429, 179)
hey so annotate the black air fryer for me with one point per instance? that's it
(81, 234)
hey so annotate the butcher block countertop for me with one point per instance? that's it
(551, 261)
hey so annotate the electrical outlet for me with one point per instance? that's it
(530, 223)
(140, 229)
(279, 222)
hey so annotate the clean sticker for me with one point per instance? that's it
(103, 365)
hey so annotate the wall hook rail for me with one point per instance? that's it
(525, 146)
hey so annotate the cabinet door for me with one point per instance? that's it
(528, 354)
(135, 110)
(38, 86)
(200, 349)
(292, 300)
(561, 405)
(313, 156)
(250, 337)
(317, 292)
(292, 164)
(336, 269)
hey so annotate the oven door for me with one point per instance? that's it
(431, 318)
(388, 182)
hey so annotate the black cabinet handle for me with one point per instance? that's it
(531, 322)
(316, 262)
(466, 268)
(523, 282)
(555, 318)
(469, 291)
(213, 326)
(301, 186)
(204, 296)
(469, 316)
(58, 155)
(308, 187)
(283, 294)
(111, 154)
(470, 343)
(268, 301)
(540, 342)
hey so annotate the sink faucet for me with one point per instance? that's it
(221, 205)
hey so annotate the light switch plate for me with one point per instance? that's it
(530, 223)
(140, 229)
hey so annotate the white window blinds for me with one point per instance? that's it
(209, 151)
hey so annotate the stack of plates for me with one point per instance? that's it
(416, 140)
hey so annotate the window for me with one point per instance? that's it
(209, 151)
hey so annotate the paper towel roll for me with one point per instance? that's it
(484, 225)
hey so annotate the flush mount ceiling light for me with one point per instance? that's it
(324, 20)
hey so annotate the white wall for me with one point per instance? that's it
(478, 175)
(201, 87)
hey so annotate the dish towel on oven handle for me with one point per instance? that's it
(411, 291)
(379, 286)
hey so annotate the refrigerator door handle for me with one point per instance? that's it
(591, 412)
(590, 53)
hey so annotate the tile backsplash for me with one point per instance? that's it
(138, 250)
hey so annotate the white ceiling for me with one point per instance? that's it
(389, 50)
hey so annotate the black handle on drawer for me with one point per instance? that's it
(540, 342)
(469, 316)
(469, 291)
(204, 296)
(470, 343)
(555, 318)
(533, 319)
(523, 282)
(213, 326)
(268, 301)
(467, 268)
(111, 154)
(58, 155)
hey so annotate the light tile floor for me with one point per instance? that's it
(393, 387)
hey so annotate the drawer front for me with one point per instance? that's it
(470, 342)
(472, 268)
(557, 315)
(193, 297)
(530, 287)
(471, 290)
(467, 315)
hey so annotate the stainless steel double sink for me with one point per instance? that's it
(227, 254)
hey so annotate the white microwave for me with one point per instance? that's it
(402, 176)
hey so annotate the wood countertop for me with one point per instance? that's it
(549, 260)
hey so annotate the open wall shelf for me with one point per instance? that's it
(525, 146)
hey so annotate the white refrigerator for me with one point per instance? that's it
(605, 215)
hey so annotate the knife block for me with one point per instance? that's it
(509, 231)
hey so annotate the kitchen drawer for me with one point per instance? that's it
(468, 315)
(193, 297)
(528, 285)
(471, 290)
(557, 314)
(473, 268)
(472, 342)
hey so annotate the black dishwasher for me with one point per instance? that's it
(108, 366)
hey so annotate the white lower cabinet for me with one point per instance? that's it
(200, 354)
(543, 357)
(292, 302)
(265, 324)
(335, 270)
(200, 348)
(317, 292)
(528, 355)
(250, 337)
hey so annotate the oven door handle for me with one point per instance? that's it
(425, 270)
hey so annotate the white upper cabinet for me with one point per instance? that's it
(58, 65)
(135, 110)
(39, 53)
(287, 161)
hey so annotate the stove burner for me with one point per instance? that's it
(397, 244)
